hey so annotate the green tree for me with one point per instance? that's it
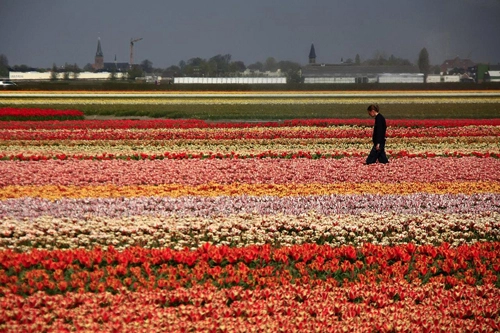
(76, 71)
(195, 67)
(67, 70)
(71, 69)
(22, 68)
(423, 62)
(112, 75)
(258, 66)
(134, 72)
(147, 66)
(88, 67)
(291, 70)
(237, 67)
(53, 73)
(392, 60)
(436, 69)
(195, 61)
(4, 66)
(171, 71)
(220, 63)
(271, 64)
(379, 59)
(357, 60)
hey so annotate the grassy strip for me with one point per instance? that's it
(282, 111)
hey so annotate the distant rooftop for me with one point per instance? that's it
(328, 70)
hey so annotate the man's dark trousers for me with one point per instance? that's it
(377, 155)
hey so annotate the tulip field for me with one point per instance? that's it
(186, 225)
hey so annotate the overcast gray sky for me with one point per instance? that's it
(42, 32)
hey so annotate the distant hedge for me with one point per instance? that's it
(141, 86)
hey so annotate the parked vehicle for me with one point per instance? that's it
(7, 83)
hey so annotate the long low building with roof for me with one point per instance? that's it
(356, 73)
(352, 73)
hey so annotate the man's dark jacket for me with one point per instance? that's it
(379, 129)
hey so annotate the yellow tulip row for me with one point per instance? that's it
(464, 145)
(240, 230)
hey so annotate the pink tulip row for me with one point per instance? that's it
(29, 156)
(228, 171)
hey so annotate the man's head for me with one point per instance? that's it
(372, 110)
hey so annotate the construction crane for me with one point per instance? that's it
(132, 41)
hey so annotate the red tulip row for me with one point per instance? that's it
(140, 269)
(39, 114)
(233, 155)
(398, 307)
(196, 123)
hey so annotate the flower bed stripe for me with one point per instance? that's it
(278, 148)
(245, 133)
(197, 123)
(15, 114)
(246, 172)
(359, 308)
(247, 229)
(202, 206)
(140, 269)
(29, 156)
(54, 192)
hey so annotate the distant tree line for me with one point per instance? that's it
(223, 65)
(380, 59)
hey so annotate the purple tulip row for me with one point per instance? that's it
(264, 205)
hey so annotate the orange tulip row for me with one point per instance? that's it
(385, 307)
(54, 192)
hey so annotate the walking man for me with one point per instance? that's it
(378, 151)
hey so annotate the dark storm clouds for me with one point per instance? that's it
(40, 33)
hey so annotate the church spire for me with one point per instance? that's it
(312, 55)
(99, 50)
(99, 58)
